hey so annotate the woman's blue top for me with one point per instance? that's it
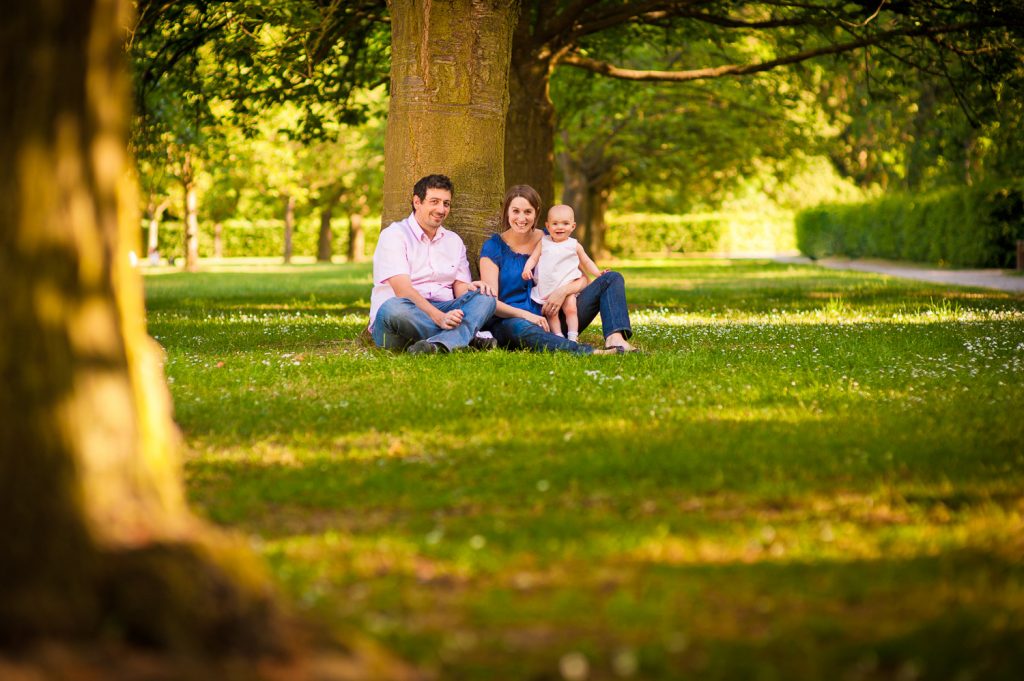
(512, 288)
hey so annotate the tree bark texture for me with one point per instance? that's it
(96, 533)
(449, 96)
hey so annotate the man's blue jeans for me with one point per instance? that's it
(400, 323)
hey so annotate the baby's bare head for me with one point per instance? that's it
(561, 212)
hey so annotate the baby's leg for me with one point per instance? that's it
(554, 323)
(572, 319)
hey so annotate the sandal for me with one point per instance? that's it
(619, 350)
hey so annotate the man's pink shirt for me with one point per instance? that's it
(433, 265)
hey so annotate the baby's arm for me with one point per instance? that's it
(586, 264)
(532, 262)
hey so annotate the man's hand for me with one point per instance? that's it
(448, 320)
(483, 287)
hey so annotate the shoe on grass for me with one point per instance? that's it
(425, 347)
(483, 343)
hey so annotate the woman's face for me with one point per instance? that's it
(521, 215)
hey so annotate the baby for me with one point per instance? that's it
(558, 258)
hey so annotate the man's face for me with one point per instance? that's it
(433, 209)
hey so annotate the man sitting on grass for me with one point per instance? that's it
(423, 300)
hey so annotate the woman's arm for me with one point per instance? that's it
(489, 274)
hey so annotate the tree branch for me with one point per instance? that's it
(582, 17)
(579, 61)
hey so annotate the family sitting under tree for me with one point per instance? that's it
(424, 302)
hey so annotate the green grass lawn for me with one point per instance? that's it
(809, 475)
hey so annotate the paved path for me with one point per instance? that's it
(1002, 280)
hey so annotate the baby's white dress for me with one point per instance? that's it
(559, 264)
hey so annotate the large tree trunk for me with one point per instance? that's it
(188, 182)
(96, 534)
(449, 95)
(289, 226)
(530, 124)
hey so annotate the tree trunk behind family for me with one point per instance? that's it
(97, 539)
(530, 123)
(188, 183)
(449, 95)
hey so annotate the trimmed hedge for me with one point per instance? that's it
(732, 233)
(258, 238)
(961, 227)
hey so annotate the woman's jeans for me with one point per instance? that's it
(400, 323)
(605, 295)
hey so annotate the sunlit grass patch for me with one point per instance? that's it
(808, 475)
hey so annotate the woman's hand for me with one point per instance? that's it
(554, 302)
(555, 299)
(538, 320)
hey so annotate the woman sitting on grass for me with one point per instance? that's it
(518, 321)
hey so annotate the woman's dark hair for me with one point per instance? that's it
(515, 191)
(432, 182)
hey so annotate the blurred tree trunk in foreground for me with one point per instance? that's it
(97, 539)
(449, 95)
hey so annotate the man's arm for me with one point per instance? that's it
(586, 264)
(401, 284)
(532, 261)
